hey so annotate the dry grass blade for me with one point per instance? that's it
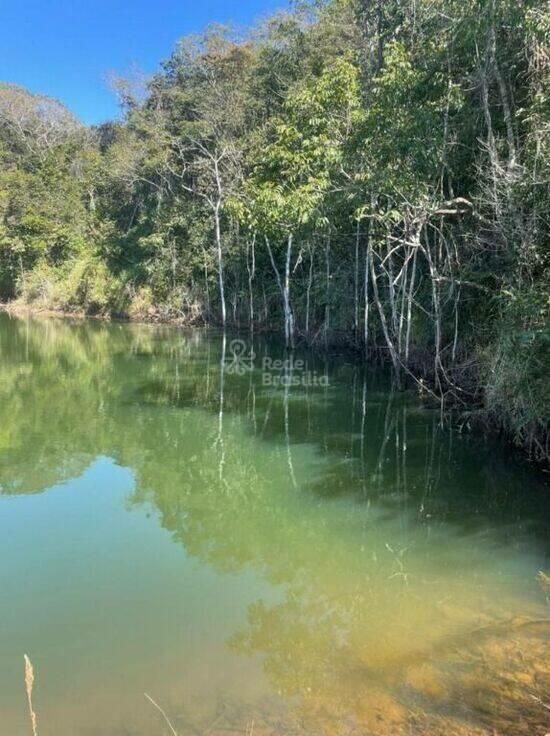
(157, 706)
(29, 683)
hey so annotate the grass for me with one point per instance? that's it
(29, 683)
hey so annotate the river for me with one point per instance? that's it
(263, 546)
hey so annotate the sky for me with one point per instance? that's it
(68, 48)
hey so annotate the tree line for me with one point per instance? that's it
(352, 172)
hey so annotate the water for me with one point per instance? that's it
(316, 559)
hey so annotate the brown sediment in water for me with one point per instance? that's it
(497, 684)
(459, 641)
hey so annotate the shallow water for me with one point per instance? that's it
(319, 558)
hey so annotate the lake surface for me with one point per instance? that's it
(262, 548)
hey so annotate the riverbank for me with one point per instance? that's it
(469, 414)
(316, 200)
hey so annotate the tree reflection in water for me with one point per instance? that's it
(403, 556)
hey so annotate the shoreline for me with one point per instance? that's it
(474, 419)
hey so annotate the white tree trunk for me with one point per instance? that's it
(383, 321)
(327, 296)
(366, 314)
(356, 282)
(289, 317)
(284, 288)
(251, 273)
(308, 290)
(220, 259)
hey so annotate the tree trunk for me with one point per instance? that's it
(220, 259)
(289, 318)
(391, 347)
(366, 315)
(284, 288)
(251, 273)
(327, 295)
(409, 308)
(206, 286)
(356, 283)
(308, 290)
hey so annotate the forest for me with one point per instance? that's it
(364, 174)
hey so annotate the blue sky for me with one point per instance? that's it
(66, 48)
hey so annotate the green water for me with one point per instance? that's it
(319, 558)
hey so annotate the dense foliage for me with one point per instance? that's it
(368, 172)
